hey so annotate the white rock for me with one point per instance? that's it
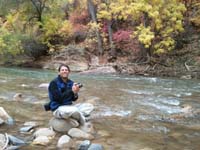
(4, 115)
(31, 123)
(1, 121)
(24, 85)
(79, 134)
(44, 85)
(88, 127)
(64, 142)
(3, 141)
(44, 132)
(187, 77)
(41, 140)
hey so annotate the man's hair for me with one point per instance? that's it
(61, 65)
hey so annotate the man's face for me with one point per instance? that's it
(64, 72)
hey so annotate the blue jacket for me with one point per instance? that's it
(60, 93)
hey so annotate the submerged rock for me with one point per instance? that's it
(18, 97)
(88, 128)
(26, 129)
(84, 145)
(44, 85)
(9, 142)
(15, 141)
(95, 147)
(31, 123)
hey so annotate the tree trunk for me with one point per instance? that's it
(110, 34)
(92, 12)
(146, 22)
(39, 6)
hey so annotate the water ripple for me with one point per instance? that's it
(137, 92)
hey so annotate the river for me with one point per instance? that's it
(134, 112)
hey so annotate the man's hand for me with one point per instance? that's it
(75, 88)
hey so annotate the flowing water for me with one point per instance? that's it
(134, 112)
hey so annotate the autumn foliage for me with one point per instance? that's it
(114, 25)
(123, 41)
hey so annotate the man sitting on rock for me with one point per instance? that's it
(62, 93)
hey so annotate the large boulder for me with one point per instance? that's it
(5, 116)
(63, 125)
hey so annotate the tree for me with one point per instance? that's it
(155, 22)
(92, 11)
(36, 20)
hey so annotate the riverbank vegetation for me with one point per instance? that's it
(157, 37)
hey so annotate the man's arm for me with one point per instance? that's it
(54, 93)
(68, 93)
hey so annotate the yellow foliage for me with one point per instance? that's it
(51, 26)
(104, 14)
(144, 35)
(94, 26)
(196, 16)
(160, 51)
(165, 19)
(196, 21)
(11, 20)
(66, 29)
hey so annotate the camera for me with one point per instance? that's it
(79, 85)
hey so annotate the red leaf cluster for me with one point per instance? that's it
(123, 41)
(79, 17)
(122, 36)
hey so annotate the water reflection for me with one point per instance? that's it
(137, 112)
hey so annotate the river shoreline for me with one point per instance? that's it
(121, 69)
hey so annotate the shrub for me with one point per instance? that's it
(34, 49)
(123, 41)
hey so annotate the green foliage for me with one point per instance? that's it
(8, 5)
(50, 26)
(39, 19)
(9, 43)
